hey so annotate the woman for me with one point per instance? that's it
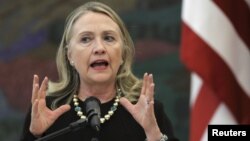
(94, 59)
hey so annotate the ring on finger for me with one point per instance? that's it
(150, 101)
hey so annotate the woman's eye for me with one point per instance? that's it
(85, 39)
(109, 38)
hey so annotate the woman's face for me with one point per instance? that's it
(96, 48)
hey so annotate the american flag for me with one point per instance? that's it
(215, 47)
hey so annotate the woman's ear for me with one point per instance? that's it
(68, 52)
(121, 62)
(69, 55)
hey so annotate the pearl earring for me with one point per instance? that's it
(72, 63)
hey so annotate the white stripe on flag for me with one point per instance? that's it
(196, 84)
(216, 29)
(221, 111)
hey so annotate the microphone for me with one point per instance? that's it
(92, 105)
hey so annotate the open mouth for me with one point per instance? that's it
(99, 64)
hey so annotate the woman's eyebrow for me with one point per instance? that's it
(84, 32)
(111, 32)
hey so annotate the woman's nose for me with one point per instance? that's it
(99, 49)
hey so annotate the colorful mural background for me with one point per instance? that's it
(30, 32)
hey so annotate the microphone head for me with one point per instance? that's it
(92, 105)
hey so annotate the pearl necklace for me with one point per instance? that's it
(107, 116)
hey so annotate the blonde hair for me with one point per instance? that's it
(69, 82)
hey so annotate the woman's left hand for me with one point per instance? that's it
(143, 110)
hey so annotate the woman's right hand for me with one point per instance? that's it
(41, 116)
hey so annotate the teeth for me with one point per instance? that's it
(99, 63)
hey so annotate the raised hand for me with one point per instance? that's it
(41, 116)
(143, 110)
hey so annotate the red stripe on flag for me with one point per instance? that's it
(202, 112)
(239, 14)
(200, 58)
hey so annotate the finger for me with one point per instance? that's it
(62, 109)
(151, 92)
(42, 106)
(148, 85)
(151, 79)
(143, 90)
(127, 104)
(150, 107)
(34, 109)
(35, 88)
(43, 88)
